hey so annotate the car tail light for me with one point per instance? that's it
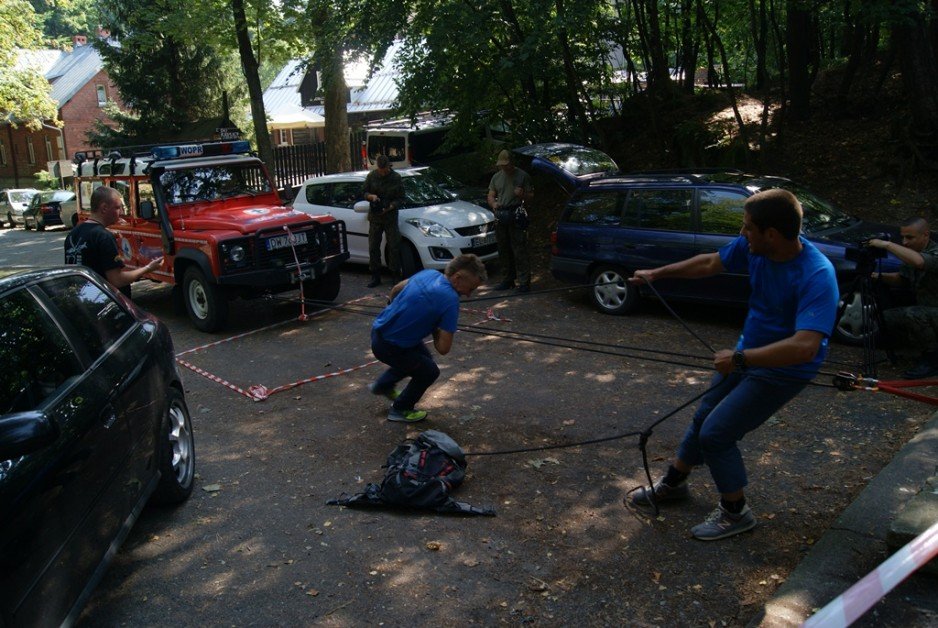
(553, 242)
(47, 209)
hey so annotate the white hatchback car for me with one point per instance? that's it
(435, 227)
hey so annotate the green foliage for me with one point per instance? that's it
(169, 68)
(45, 180)
(505, 59)
(63, 18)
(24, 92)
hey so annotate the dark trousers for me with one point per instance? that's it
(414, 362)
(384, 224)
(513, 255)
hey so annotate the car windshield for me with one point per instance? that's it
(421, 191)
(579, 161)
(60, 196)
(819, 215)
(440, 178)
(212, 183)
(21, 196)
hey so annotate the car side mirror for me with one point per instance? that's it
(146, 210)
(287, 195)
(362, 207)
(22, 433)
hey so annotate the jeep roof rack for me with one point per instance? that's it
(189, 148)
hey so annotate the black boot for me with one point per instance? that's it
(375, 281)
(927, 367)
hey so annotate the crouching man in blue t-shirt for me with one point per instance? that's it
(426, 303)
(791, 315)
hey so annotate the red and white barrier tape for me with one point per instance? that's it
(850, 606)
(259, 392)
(217, 379)
(266, 327)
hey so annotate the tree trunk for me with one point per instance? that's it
(799, 90)
(338, 158)
(577, 114)
(919, 73)
(743, 133)
(249, 66)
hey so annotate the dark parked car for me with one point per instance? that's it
(570, 165)
(93, 425)
(615, 225)
(49, 208)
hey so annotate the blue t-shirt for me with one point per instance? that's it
(428, 301)
(800, 294)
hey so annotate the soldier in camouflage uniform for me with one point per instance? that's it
(385, 191)
(917, 325)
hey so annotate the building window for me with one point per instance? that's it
(102, 95)
(30, 150)
(3, 153)
(60, 145)
(49, 155)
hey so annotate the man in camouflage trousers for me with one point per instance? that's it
(916, 325)
(385, 191)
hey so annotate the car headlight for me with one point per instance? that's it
(431, 229)
(236, 254)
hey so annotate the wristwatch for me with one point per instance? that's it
(739, 360)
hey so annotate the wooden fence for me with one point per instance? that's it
(295, 164)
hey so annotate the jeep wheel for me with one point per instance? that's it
(206, 302)
(611, 292)
(850, 328)
(410, 259)
(325, 288)
(175, 453)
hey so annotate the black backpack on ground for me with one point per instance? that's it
(421, 473)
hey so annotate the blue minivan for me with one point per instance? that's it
(614, 225)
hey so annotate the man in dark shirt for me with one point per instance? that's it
(91, 244)
(385, 191)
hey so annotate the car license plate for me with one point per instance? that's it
(281, 242)
(485, 240)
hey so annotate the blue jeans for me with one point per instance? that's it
(414, 362)
(737, 405)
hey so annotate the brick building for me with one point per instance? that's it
(81, 88)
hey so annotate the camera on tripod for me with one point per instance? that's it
(865, 255)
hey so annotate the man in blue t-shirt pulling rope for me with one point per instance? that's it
(426, 303)
(792, 311)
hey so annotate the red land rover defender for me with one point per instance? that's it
(212, 212)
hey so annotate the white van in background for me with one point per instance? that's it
(406, 142)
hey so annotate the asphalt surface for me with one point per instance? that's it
(256, 544)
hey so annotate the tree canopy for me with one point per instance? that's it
(24, 92)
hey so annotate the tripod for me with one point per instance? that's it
(859, 312)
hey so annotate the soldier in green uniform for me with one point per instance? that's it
(916, 325)
(385, 191)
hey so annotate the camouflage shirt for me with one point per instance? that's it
(924, 281)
